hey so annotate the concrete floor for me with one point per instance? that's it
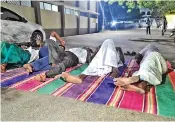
(16, 105)
(128, 40)
(25, 106)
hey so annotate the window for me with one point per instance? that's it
(67, 11)
(54, 8)
(8, 15)
(76, 13)
(18, 2)
(72, 11)
(13, 2)
(26, 3)
(47, 6)
(41, 5)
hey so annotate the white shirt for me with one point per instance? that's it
(34, 54)
(53, 38)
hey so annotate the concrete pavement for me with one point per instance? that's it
(128, 40)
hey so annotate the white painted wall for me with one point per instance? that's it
(83, 22)
(70, 21)
(50, 19)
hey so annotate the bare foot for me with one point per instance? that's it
(70, 78)
(122, 81)
(3, 68)
(40, 77)
(28, 67)
(133, 88)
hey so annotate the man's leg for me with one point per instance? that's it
(38, 65)
(120, 52)
(149, 30)
(68, 61)
(41, 64)
(133, 84)
(146, 30)
(122, 81)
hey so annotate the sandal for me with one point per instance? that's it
(127, 53)
(133, 53)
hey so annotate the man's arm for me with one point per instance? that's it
(54, 34)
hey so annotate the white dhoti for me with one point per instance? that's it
(80, 53)
(106, 58)
(152, 67)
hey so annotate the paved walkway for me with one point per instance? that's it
(128, 40)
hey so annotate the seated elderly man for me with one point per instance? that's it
(152, 67)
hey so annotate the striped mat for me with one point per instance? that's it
(101, 90)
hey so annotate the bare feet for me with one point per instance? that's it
(133, 88)
(40, 77)
(3, 68)
(125, 84)
(70, 78)
(28, 67)
(122, 81)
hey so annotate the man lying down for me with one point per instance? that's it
(55, 59)
(152, 67)
(107, 59)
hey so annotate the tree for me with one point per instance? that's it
(158, 7)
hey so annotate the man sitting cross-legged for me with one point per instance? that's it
(152, 67)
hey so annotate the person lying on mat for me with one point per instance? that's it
(44, 51)
(58, 59)
(107, 59)
(15, 56)
(152, 67)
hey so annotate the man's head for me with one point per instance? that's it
(39, 42)
(138, 58)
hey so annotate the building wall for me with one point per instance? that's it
(93, 25)
(93, 5)
(83, 4)
(51, 21)
(71, 3)
(70, 25)
(83, 25)
(27, 12)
